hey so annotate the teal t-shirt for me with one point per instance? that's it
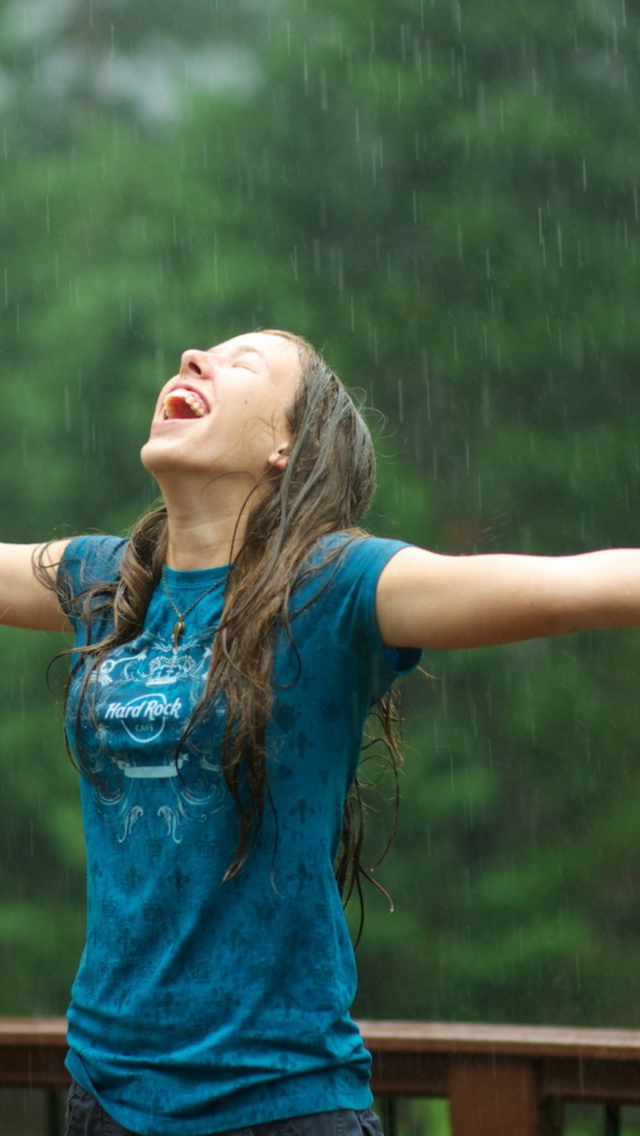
(201, 1006)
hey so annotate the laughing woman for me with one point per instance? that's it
(226, 658)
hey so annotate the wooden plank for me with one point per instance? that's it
(37, 1067)
(594, 1080)
(519, 1041)
(26, 1031)
(32, 1052)
(425, 1037)
(396, 1074)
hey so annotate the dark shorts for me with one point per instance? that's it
(86, 1117)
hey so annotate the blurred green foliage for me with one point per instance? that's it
(442, 195)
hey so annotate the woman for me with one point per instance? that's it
(216, 715)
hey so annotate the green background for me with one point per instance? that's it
(443, 196)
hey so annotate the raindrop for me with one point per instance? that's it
(425, 371)
(429, 61)
(373, 342)
(417, 60)
(482, 105)
(486, 404)
(324, 100)
(457, 14)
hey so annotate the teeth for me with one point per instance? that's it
(195, 404)
(176, 403)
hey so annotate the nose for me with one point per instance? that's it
(194, 362)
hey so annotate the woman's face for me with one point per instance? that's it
(226, 410)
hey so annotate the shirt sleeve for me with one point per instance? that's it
(86, 562)
(349, 602)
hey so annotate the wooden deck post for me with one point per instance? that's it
(495, 1097)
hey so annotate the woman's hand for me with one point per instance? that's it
(25, 601)
(432, 601)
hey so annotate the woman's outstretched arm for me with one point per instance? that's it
(432, 601)
(25, 601)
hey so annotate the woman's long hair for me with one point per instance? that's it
(326, 486)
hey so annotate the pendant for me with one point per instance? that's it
(178, 628)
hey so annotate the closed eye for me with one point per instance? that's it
(241, 363)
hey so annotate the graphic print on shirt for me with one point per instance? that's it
(135, 710)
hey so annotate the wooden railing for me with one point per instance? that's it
(499, 1080)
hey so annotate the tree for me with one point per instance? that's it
(444, 196)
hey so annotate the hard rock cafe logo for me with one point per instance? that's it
(144, 717)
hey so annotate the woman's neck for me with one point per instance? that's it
(202, 546)
(203, 538)
(207, 518)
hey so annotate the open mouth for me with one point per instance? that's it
(183, 403)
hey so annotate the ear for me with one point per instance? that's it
(279, 458)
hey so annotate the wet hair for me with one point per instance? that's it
(326, 487)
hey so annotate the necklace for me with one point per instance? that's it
(178, 626)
